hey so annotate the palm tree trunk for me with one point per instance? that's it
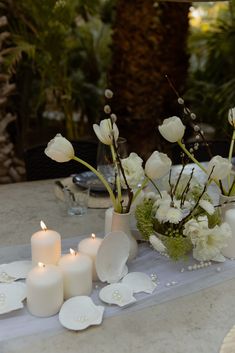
(149, 41)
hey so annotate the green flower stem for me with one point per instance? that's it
(118, 183)
(195, 160)
(231, 153)
(100, 176)
(145, 182)
(156, 187)
(191, 156)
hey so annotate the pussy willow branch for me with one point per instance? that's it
(178, 179)
(188, 111)
(186, 189)
(119, 165)
(198, 200)
(171, 187)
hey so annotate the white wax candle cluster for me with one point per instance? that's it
(45, 246)
(90, 247)
(44, 285)
(77, 274)
(55, 278)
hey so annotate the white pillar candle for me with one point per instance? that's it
(77, 274)
(45, 246)
(90, 247)
(229, 250)
(108, 220)
(44, 285)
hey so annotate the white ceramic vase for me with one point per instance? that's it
(228, 215)
(121, 221)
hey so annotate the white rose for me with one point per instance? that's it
(222, 167)
(172, 129)
(59, 149)
(157, 165)
(106, 131)
(133, 170)
(231, 116)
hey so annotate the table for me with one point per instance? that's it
(193, 323)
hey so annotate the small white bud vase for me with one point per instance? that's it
(229, 217)
(121, 222)
(226, 202)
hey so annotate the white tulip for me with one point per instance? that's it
(133, 170)
(231, 116)
(222, 167)
(59, 149)
(157, 165)
(106, 131)
(172, 129)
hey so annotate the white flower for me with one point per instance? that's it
(106, 131)
(59, 149)
(207, 242)
(157, 165)
(133, 170)
(231, 116)
(222, 167)
(174, 215)
(161, 213)
(207, 206)
(157, 244)
(172, 129)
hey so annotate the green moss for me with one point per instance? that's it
(145, 218)
(177, 247)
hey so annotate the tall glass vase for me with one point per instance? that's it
(228, 215)
(121, 221)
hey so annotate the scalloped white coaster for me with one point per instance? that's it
(139, 282)
(80, 312)
(117, 293)
(11, 296)
(228, 345)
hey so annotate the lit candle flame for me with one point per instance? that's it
(93, 236)
(40, 264)
(72, 252)
(43, 226)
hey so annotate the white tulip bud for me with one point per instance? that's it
(157, 165)
(231, 117)
(172, 129)
(60, 149)
(221, 167)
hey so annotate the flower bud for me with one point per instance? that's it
(157, 165)
(108, 93)
(172, 129)
(231, 117)
(60, 149)
(106, 131)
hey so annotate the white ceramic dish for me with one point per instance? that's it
(117, 293)
(18, 269)
(139, 282)
(112, 257)
(11, 296)
(80, 312)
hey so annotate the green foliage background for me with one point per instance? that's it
(211, 81)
